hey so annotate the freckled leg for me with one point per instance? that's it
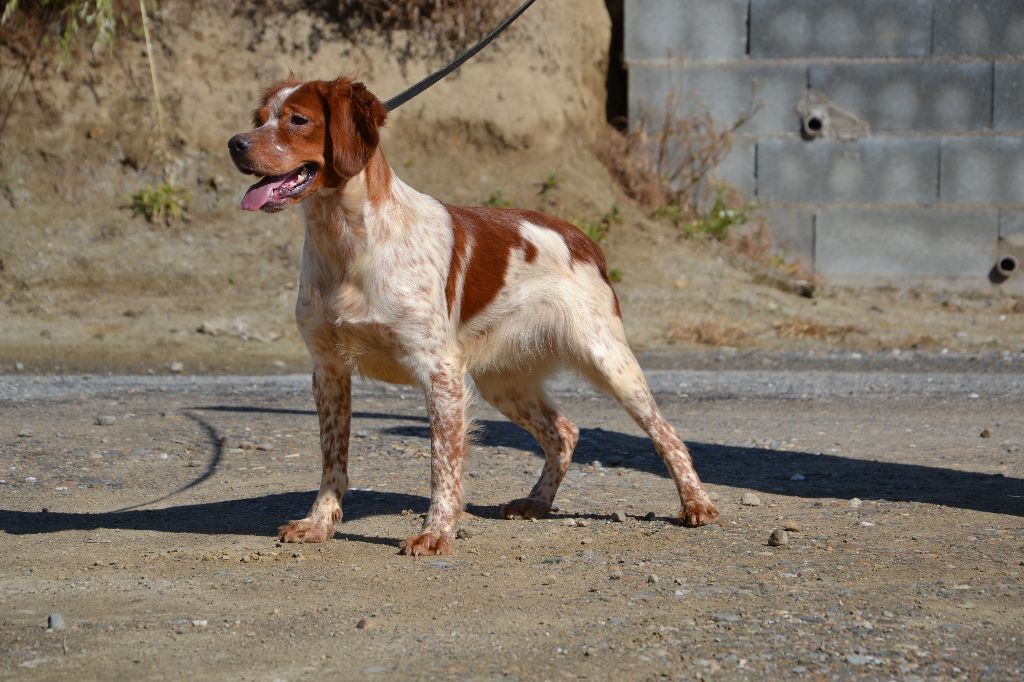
(522, 400)
(332, 389)
(614, 369)
(446, 406)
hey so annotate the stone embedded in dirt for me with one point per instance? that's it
(856, 502)
(247, 445)
(778, 538)
(619, 516)
(791, 526)
(265, 447)
(582, 523)
(464, 533)
(750, 500)
(235, 451)
(106, 420)
(653, 578)
(55, 621)
(571, 523)
(986, 433)
(26, 433)
(176, 367)
(650, 516)
(364, 624)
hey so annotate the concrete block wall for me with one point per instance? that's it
(930, 187)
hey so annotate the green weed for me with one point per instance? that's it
(497, 200)
(164, 202)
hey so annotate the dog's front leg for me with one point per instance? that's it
(446, 405)
(332, 389)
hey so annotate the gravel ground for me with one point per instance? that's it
(138, 517)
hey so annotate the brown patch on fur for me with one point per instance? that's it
(495, 233)
(354, 117)
(378, 179)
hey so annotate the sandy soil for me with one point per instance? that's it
(152, 536)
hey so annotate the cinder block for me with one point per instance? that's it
(979, 27)
(920, 97)
(983, 170)
(792, 230)
(690, 29)
(1009, 96)
(869, 170)
(1011, 227)
(840, 28)
(725, 91)
(900, 244)
(737, 168)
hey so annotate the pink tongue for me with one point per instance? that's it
(259, 194)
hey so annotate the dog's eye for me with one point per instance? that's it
(297, 120)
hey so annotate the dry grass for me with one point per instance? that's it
(708, 332)
(800, 328)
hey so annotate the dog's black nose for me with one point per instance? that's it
(239, 144)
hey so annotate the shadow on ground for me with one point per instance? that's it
(825, 476)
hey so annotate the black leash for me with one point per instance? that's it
(407, 94)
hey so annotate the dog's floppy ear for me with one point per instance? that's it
(355, 116)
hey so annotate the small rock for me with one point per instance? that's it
(364, 624)
(986, 433)
(653, 578)
(106, 420)
(279, 364)
(571, 523)
(199, 623)
(464, 533)
(26, 433)
(247, 445)
(791, 526)
(265, 447)
(798, 477)
(176, 367)
(619, 516)
(650, 516)
(20, 366)
(778, 538)
(856, 502)
(55, 621)
(582, 523)
(614, 460)
(750, 500)
(235, 451)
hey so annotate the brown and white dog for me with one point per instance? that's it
(403, 288)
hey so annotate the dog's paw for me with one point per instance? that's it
(697, 513)
(426, 544)
(525, 508)
(306, 530)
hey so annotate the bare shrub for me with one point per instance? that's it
(671, 172)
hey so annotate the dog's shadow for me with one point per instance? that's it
(766, 470)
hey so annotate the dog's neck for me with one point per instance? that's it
(344, 220)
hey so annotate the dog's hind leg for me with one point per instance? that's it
(332, 389)
(520, 397)
(611, 366)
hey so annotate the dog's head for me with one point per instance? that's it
(307, 136)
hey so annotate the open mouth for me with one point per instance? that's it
(272, 192)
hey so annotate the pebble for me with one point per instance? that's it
(55, 621)
(464, 533)
(986, 433)
(619, 516)
(571, 523)
(176, 367)
(650, 516)
(798, 477)
(26, 433)
(364, 624)
(614, 460)
(265, 447)
(791, 526)
(750, 500)
(247, 445)
(653, 578)
(856, 502)
(106, 420)
(778, 538)
(235, 451)
(582, 523)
